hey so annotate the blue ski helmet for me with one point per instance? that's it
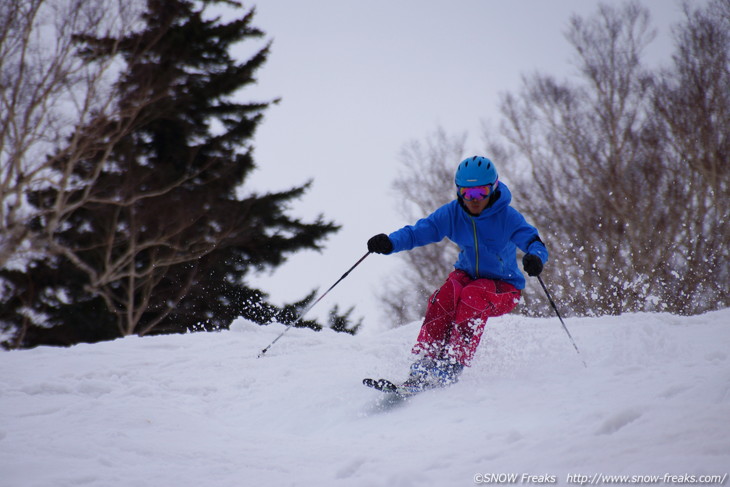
(475, 171)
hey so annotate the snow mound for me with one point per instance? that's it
(201, 409)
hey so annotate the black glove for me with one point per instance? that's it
(380, 244)
(532, 265)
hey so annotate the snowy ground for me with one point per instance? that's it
(202, 410)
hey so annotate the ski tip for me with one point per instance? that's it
(383, 385)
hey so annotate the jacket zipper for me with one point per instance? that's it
(476, 247)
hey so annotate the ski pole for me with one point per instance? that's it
(308, 308)
(552, 303)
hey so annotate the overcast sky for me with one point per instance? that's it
(358, 80)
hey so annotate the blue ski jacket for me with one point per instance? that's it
(488, 242)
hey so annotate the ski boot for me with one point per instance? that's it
(446, 373)
(419, 378)
(428, 373)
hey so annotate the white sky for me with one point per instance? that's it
(358, 80)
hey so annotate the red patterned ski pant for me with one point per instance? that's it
(457, 314)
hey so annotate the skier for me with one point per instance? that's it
(485, 282)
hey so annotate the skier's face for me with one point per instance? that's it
(475, 207)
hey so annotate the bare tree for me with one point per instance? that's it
(61, 120)
(582, 145)
(425, 182)
(621, 217)
(692, 103)
(47, 93)
(48, 97)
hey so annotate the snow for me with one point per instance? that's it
(202, 409)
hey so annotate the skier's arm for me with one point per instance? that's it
(427, 230)
(527, 238)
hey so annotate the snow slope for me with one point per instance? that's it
(202, 410)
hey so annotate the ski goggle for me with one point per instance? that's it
(476, 193)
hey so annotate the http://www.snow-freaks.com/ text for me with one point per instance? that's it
(581, 479)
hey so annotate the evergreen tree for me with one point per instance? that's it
(161, 242)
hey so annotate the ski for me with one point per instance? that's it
(388, 387)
